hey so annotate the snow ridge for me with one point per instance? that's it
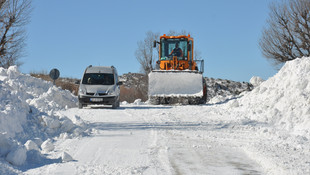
(282, 100)
(27, 115)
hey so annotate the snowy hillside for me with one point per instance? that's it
(134, 80)
(218, 90)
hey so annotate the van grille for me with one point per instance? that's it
(100, 94)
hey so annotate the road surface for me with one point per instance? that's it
(145, 139)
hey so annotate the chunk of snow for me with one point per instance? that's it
(256, 81)
(31, 145)
(51, 122)
(17, 156)
(65, 157)
(138, 102)
(5, 144)
(124, 103)
(38, 141)
(67, 125)
(47, 146)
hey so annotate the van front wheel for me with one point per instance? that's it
(115, 104)
(81, 105)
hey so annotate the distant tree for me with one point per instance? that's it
(197, 55)
(175, 33)
(145, 54)
(14, 15)
(287, 35)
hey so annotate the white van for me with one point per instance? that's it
(99, 85)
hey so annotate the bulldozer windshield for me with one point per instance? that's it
(173, 47)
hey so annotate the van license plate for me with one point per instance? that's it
(96, 99)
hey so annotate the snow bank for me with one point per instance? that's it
(282, 100)
(22, 95)
(27, 114)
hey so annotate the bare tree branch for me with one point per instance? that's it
(287, 35)
(145, 54)
(14, 15)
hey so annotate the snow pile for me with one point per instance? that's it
(282, 100)
(27, 115)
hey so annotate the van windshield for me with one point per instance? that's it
(98, 79)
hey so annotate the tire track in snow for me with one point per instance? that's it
(154, 140)
(177, 151)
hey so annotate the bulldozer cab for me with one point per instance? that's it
(174, 47)
(176, 53)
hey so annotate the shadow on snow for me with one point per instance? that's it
(35, 159)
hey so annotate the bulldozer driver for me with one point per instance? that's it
(176, 51)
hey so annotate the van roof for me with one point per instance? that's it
(99, 69)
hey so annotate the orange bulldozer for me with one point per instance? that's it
(178, 78)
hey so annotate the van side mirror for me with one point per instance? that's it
(189, 47)
(77, 82)
(119, 83)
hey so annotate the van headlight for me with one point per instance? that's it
(82, 92)
(111, 93)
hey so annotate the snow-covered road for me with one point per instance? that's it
(142, 139)
(265, 131)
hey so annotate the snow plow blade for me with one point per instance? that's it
(176, 87)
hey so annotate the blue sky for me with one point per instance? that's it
(72, 34)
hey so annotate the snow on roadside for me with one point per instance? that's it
(278, 109)
(282, 100)
(27, 116)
